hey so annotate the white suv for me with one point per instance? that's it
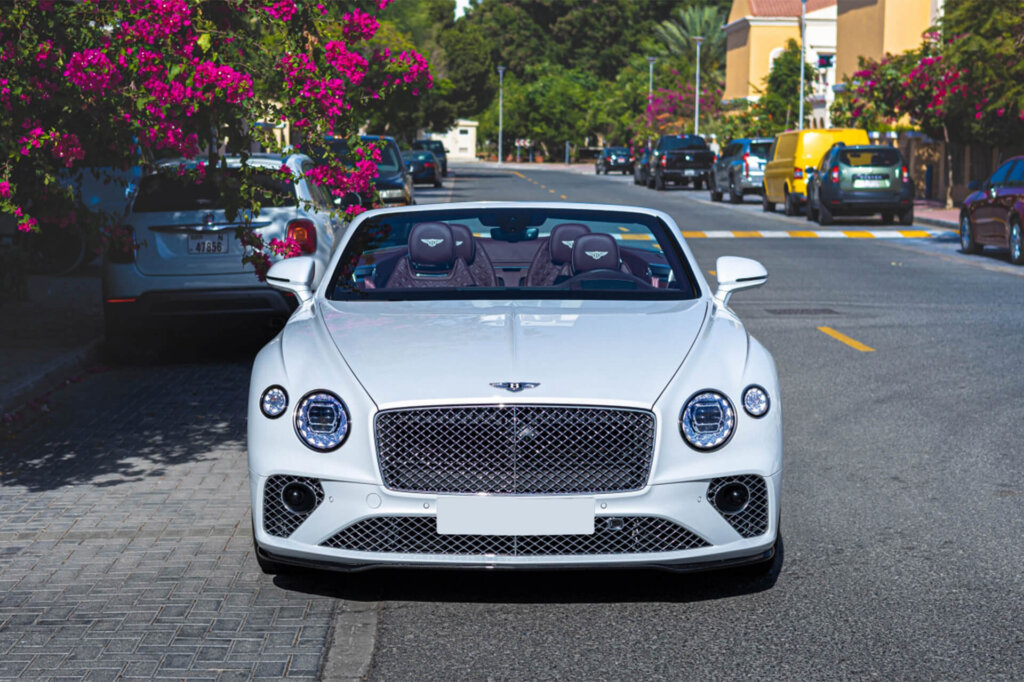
(188, 264)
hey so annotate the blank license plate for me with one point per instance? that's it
(870, 183)
(200, 243)
(690, 171)
(474, 515)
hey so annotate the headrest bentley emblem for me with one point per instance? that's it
(569, 243)
(432, 242)
(516, 386)
(596, 255)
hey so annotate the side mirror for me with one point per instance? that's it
(294, 275)
(810, 170)
(736, 273)
(974, 185)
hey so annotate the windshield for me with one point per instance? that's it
(418, 156)
(761, 149)
(512, 253)
(683, 142)
(169, 191)
(433, 145)
(879, 156)
(620, 151)
(390, 159)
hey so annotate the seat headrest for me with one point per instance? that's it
(595, 252)
(431, 247)
(465, 244)
(562, 239)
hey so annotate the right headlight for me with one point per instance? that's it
(391, 193)
(707, 420)
(321, 421)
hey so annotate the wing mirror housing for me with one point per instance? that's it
(735, 273)
(294, 275)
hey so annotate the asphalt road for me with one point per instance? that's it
(124, 531)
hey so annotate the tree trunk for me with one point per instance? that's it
(949, 168)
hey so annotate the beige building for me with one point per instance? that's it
(872, 28)
(757, 32)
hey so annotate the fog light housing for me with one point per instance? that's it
(732, 498)
(299, 498)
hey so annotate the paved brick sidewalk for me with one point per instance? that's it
(47, 338)
(125, 546)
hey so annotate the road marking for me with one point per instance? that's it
(519, 174)
(564, 197)
(813, 234)
(552, 191)
(852, 343)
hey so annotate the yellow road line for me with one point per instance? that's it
(852, 343)
(802, 233)
(552, 191)
(693, 234)
(623, 229)
(858, 234)
(915, 233)
(564, 197)
(519, 174)
(637, 237)
(748, 233)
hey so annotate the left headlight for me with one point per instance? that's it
(273, 402)
(321, 420)
(707, 420)
(391, 193)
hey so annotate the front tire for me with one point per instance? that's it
(767, 206)
(967, 242)
(1016, 248)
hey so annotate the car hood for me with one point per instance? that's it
(583, 352)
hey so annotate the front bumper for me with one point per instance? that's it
(359, 525)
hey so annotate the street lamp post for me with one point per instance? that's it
(696, 95)
(501, 108)
(803, 56)
(650, 90)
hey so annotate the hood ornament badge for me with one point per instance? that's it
(516, 386)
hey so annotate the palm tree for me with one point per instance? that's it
(677, 35)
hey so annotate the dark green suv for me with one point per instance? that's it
(860, 180)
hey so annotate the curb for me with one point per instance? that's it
(352, 641)
(937, 222)
(47, 377)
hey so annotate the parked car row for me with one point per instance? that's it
(187, 261)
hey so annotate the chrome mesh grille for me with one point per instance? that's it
(418, 535)
(279, 520)
(515, 449)
(753, 520)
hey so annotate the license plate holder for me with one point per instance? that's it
(207, 243)
(492, 515)
(870, 184)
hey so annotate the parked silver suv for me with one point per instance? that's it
(740, 169)
(188, 264)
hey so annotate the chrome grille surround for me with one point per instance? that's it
(515, 449)
(279, 520)
(753, 519)
(418, 535)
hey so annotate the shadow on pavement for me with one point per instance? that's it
(531, 587)
(184, 401)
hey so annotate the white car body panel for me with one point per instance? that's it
(399, 354)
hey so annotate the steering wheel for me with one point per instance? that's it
(603, 274)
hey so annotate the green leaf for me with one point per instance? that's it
(204, 42)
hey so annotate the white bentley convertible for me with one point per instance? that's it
(514, 385)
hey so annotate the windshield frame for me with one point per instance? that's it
(671, 249)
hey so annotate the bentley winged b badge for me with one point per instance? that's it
(515, 386)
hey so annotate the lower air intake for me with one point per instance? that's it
(752, 520)
(278, 519)
(418, 535)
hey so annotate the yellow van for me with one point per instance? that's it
(795, 150)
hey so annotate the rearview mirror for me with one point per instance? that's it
(294, 275)
(736, 273)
